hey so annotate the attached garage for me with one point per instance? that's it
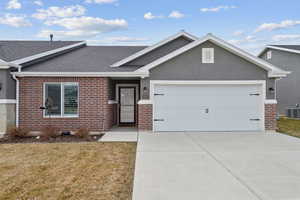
(208, 105)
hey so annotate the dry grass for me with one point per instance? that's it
(67, 171)
(289, 126)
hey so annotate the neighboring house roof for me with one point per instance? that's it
(13, 50)
(153, 47)
(88, 59)
(273, 70)
(287, 48)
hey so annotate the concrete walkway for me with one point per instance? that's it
(120, 134)
(217, 166)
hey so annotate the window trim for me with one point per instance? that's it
(269, 55)
(62, 84)
(212, 51)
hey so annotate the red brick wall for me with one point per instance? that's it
(94, 110)
(270, 117)
(145, 117)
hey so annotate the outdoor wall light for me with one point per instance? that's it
(271, 90)
(145, 89)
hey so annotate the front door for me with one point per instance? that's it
(127, 102)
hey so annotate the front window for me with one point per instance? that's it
(61, 99)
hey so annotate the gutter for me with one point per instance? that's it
(17, 98)
(81, 74)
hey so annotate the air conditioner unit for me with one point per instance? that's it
(293, 112)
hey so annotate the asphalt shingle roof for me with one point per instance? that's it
(292, 47)
(11, 50)
(88, 59)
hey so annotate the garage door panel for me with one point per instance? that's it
(207, 107)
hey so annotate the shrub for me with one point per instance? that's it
(16, 132)
(49, 132)
(82, 133)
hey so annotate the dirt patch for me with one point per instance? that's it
(102, 171)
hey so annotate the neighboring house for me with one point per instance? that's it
(286, 57)
(14, 54)
(182, 83)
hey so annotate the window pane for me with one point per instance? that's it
(70, 99)
(53, 99)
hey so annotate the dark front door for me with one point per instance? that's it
(127, 102)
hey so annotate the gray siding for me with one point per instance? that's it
(160, 52)
(8, 90)
(288, 91)
(188, 66)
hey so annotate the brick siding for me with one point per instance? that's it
(94, 111)
(270, 117)
(145, 117)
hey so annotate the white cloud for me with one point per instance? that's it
(217, 9)
(67, 33)
(125, 39)
(38, 2)
(238, 33)
(118, 40)
(276, 26)
(90, 23)
(176, 14)
(150, 16)
(15, 20)
(247, 39)
(101, 1)
(83, 26)
(13, 4)
(67, 11)
(280, 38)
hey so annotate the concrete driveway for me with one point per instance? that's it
(217, 166)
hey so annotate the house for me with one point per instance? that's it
(183, 83)
(287, 57)
(14, 54)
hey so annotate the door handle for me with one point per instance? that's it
(206, 110)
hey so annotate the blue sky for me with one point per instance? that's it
(247, 24)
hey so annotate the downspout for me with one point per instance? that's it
(17, 95)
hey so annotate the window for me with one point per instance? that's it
(61, 99)
(269, 55)
(208, 55)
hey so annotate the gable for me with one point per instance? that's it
(284, 59)
(159, 52)
(189, 66)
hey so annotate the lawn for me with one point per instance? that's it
(289, 126)
(67, 171)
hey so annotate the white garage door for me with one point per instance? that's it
(208, 107)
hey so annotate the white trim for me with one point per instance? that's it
(112, 102)
(81, 74)
(8, 101)
(270, 101)
(216, 82)
(278, 48)
(273, 70)
(47, 53)
(144, 102)
(148, 49)
(62, 84)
